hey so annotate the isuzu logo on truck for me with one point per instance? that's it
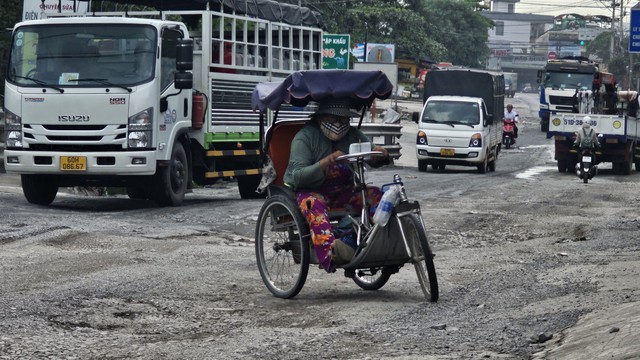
(73, 118)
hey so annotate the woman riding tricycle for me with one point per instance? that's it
(319, 208)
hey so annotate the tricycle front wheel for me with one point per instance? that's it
(421, 255)
(372, 279)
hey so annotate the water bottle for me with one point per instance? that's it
(385, 207)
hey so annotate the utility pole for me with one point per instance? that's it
(621, 26)
(613, 26)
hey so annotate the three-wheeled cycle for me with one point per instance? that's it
(282, 238)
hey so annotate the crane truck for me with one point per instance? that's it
(561, 79)
(618, 132)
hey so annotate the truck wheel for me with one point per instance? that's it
(562, 166)
(492, 164)
(484, 166)
(627, 166)
(544, 127)
(422, 165)
(39, 189)
(247, 186)
(171, 181)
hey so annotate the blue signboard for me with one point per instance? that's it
(634, 31)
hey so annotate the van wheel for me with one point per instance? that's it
(484, 167)
(422, 165)
(492, 163)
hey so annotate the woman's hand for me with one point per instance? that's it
(330, 159)
(385, 153)
(379, 160)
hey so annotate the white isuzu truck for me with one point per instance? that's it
(461, 120)
(151, 101)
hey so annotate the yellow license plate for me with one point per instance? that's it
(447, 152)
(73, 163)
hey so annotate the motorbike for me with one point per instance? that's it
(508, 133)
(586, 168)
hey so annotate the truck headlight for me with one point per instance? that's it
(12, 130)
(421, 138)
(476, 140)
(140, 128)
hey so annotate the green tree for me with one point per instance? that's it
(460, 28)
(600, 47)
(444, 30)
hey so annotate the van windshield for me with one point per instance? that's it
(82, 55)
(451, 112)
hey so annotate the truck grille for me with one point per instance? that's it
(75, 137)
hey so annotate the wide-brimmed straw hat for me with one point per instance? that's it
(337, 107)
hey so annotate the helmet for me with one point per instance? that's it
(586, 122)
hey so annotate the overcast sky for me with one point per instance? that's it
(582, 7)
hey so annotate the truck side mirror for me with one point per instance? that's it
(415, 116)
(184, 55)
(488, 119)
(183, 80)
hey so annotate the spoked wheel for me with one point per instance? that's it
(372, 279)
(282, 246)
(421, 255)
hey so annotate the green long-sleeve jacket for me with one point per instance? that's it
(307, 148)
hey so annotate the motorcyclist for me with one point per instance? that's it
(510, 114)
(586, 131)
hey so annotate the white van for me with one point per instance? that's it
(460, 122)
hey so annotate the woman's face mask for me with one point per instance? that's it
(334, 128)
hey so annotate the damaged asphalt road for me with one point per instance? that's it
(531, 264)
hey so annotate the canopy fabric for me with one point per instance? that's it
(302, 87)
(263, 9)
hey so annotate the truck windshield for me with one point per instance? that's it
(82, 55)
(572, 81)
(451, 112)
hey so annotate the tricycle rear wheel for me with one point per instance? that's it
(421, 255)
(282, 246)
